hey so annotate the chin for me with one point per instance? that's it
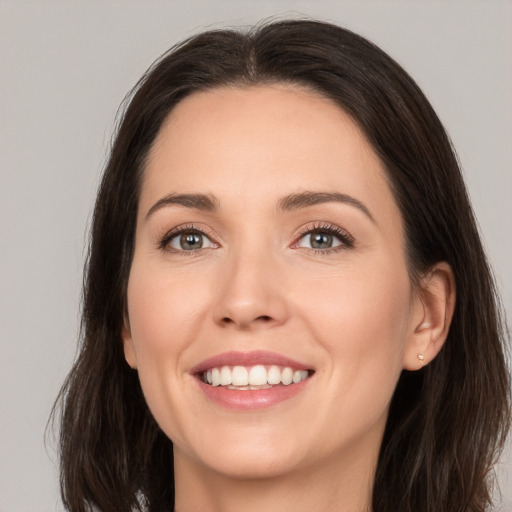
(246, 453)
(247, 465)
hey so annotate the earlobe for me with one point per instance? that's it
(431, 318)
(129, 349)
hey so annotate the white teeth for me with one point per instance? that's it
(254, 377)
(215, 377)
(287, 376)
(225, 376)
(257, 375)
(299, 375)
(274, 375)
(240, 376)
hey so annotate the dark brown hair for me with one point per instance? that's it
(447, 422)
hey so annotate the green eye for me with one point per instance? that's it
(190, 241)
(320, 240)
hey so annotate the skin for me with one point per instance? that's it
(350, 313)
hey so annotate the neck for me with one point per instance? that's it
(331, 487)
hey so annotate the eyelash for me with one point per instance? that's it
(181, 230)
(347, 240)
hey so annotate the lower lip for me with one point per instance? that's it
(248, 400)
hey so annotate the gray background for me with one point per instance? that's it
(65, 67)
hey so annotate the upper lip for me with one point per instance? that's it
(252, 358)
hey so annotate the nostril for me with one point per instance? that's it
(262, 318)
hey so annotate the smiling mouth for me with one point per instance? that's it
(253, 377)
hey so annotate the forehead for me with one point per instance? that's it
(259, 120)
(262, 142)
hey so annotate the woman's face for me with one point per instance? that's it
(268, 248)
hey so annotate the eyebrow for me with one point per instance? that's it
(203, 202)
(209, 203)
(307, 198)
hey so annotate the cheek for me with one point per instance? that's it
(371, 305)
(164, 310)
(362, 321)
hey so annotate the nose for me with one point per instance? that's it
(251, 292)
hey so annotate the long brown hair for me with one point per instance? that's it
(447, 423)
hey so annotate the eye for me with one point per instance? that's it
(319, 240)
(186, 240)
(325, 237)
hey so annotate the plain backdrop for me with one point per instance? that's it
(65, 67)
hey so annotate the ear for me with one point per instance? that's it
(128, 347)
(431, 317)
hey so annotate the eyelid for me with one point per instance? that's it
(347, 240)
(163, 240)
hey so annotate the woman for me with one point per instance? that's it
(287, 303)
